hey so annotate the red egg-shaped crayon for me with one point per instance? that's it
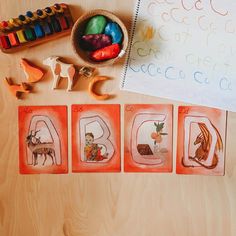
(106, 53)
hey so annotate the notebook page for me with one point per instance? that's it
(184, 50)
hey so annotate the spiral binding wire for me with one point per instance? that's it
(131, 33)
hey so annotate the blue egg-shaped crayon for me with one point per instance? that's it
(114, 30)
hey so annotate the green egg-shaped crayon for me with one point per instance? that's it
(95, 25)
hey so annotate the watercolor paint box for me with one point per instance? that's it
(35, 28)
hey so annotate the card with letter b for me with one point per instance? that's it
(96, 138)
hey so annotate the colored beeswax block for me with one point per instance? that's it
(55, 24)
(4, 41)
(39, 31)
(13, 39)
(47, 28)
(95, 25)
(93, 42)
(105, 53)
(114, 30)
(29, 34)
(21, 36)
(64, 22)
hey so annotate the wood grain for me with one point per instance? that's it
(101, 204)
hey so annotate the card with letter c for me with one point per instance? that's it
(148, 138)
(96, 138)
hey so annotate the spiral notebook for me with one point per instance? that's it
(183, 50)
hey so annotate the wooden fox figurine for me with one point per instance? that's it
(17, 89)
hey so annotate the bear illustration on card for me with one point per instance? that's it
(43, 139)
(148, 138)
(201, 141)
(96, 138)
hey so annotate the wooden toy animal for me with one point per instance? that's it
(61, 69)
(32, 72)
(17, 89)
(38, 148)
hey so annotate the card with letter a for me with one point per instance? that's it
(148, 138)
(201, 141)
(96, 138)
(43, 139)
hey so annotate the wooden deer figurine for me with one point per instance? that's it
(60, 69)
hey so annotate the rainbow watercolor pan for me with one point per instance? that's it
(35, 28)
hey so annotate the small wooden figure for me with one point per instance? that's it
(86, 71)
(17, 89)
(91, 88)
(60, 69)
(32, 72)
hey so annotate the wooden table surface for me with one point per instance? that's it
(101, 204)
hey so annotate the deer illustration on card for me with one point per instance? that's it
(201, 141)
(148, 138)
(43, 139)
(95, 138)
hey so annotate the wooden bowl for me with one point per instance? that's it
(78, 30)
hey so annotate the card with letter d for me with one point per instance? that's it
(96, 138)
(201, 141)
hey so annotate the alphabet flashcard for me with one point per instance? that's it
(148, 138)
(96, 138)
(43, 140)
(201, 141)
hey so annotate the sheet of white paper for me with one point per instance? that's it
(184, 50)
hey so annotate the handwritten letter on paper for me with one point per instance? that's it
(184, 50)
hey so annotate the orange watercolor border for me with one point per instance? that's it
(129, 164)
(111, 112)
(58, 115)
(218, 119)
